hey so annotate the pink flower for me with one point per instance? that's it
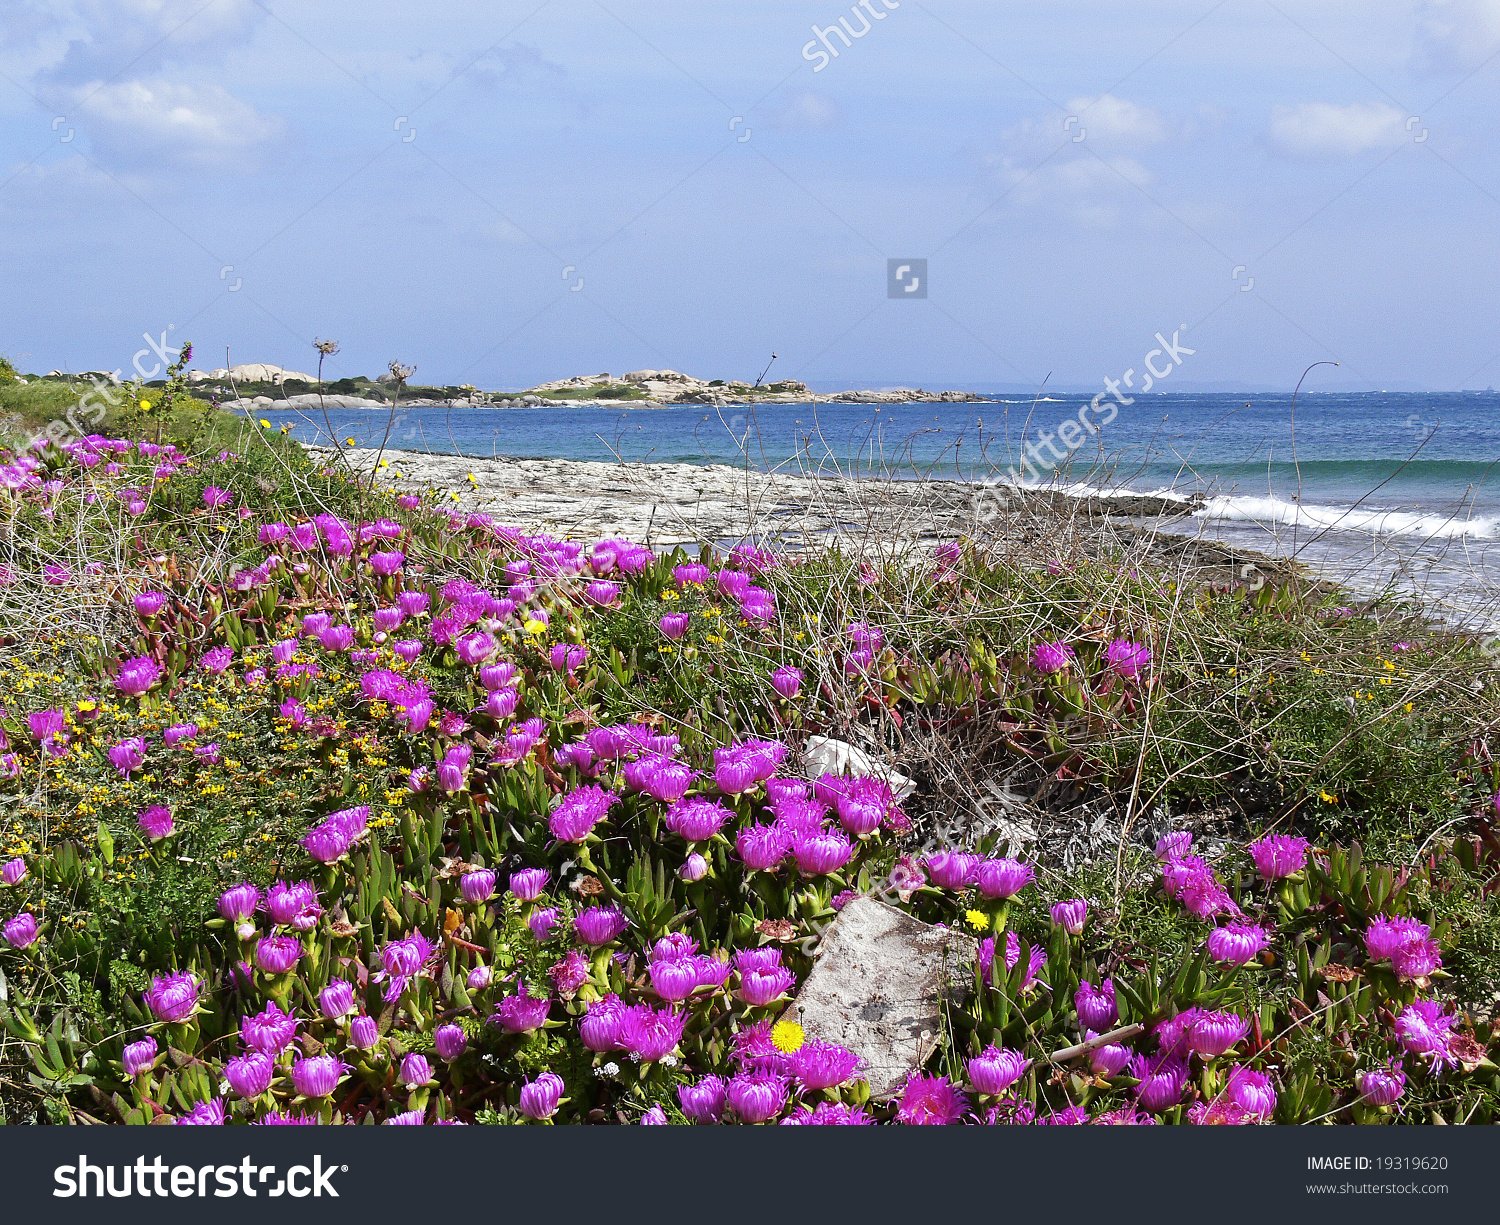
(1127, 658)
(1278, 855)
(928, 1101)
(520, 1014)
(675, 625)
(1052, 657)
(128, 755)
(578, 813)
(155, 822)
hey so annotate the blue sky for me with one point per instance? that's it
(429, 183)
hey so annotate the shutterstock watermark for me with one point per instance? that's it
(1056, 446)
(156, 1178)
(866, 12)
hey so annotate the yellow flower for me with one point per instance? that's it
(1408, 708)
(266, 424)
(473, 480)
(787, 1037)
(978, 920)
(349, 442)
(535, 627)
(1328, 799)
(146, 404)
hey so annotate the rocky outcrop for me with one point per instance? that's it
(252, 372)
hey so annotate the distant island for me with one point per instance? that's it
(260, 386)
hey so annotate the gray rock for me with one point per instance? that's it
(878, 981)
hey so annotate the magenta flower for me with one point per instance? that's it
(694, 868)
(1252, 1092)
(820, 853)
(155, 822)
(250, 1075)
(137, 675)
(696, 820)
(602, 593)
(172, 997)
(1278, 855)
(318, 1075)
(599, 924)
(761, 985)
(477, 886)
(578, 813)
(449, 1041)
(1211, 1034)
(762, 847)
(1237, 944)
(703, 1101)
(1127, 658)
(520, 1013)
(402, 960)
(821, 1065)
(1096, 1006)
(1162, 1082)
(599, 1029)
(150, 603)
(128, 755)
(675, 625)
(539, 1098)
(787, 681)
(930, 1101)
(1003, 878)
(179, 732)
(293, 905)
(216, 660)
(364, 1032)
(139, 1057)
(996, 1069)
(336, 638)
(1173, 845)
(21, 931)
(336, 999)
(49, 728)
(1108, 1060)
(1406, 943)
(278, 954)
(13, 871)
(387, 563)
(475, 648)
(756, 1097)
(204, 1114)
(651, 1033)
(415, 1071)
(1071, 915)
(1382, 1086)
(1052, 657)
(529, 883)
(659, 776)
(570, 973)
(953, 870)
(1425, 1029)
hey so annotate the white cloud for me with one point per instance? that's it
(161, 121)
(1457, 35)
(805, 110)
(1106, 122)
(1319, 131)
(96, 39)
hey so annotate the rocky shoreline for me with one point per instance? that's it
(666, 505)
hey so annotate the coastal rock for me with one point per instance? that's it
(251, 372)
(310, 400)
(877, 986)
(824, 755)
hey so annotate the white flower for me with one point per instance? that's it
(610, 1069)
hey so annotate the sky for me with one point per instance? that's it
(504, 193)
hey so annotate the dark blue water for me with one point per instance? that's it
(1386, 483)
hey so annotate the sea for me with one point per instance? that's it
(1384, 492)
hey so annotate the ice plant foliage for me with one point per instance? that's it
(397, 814)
